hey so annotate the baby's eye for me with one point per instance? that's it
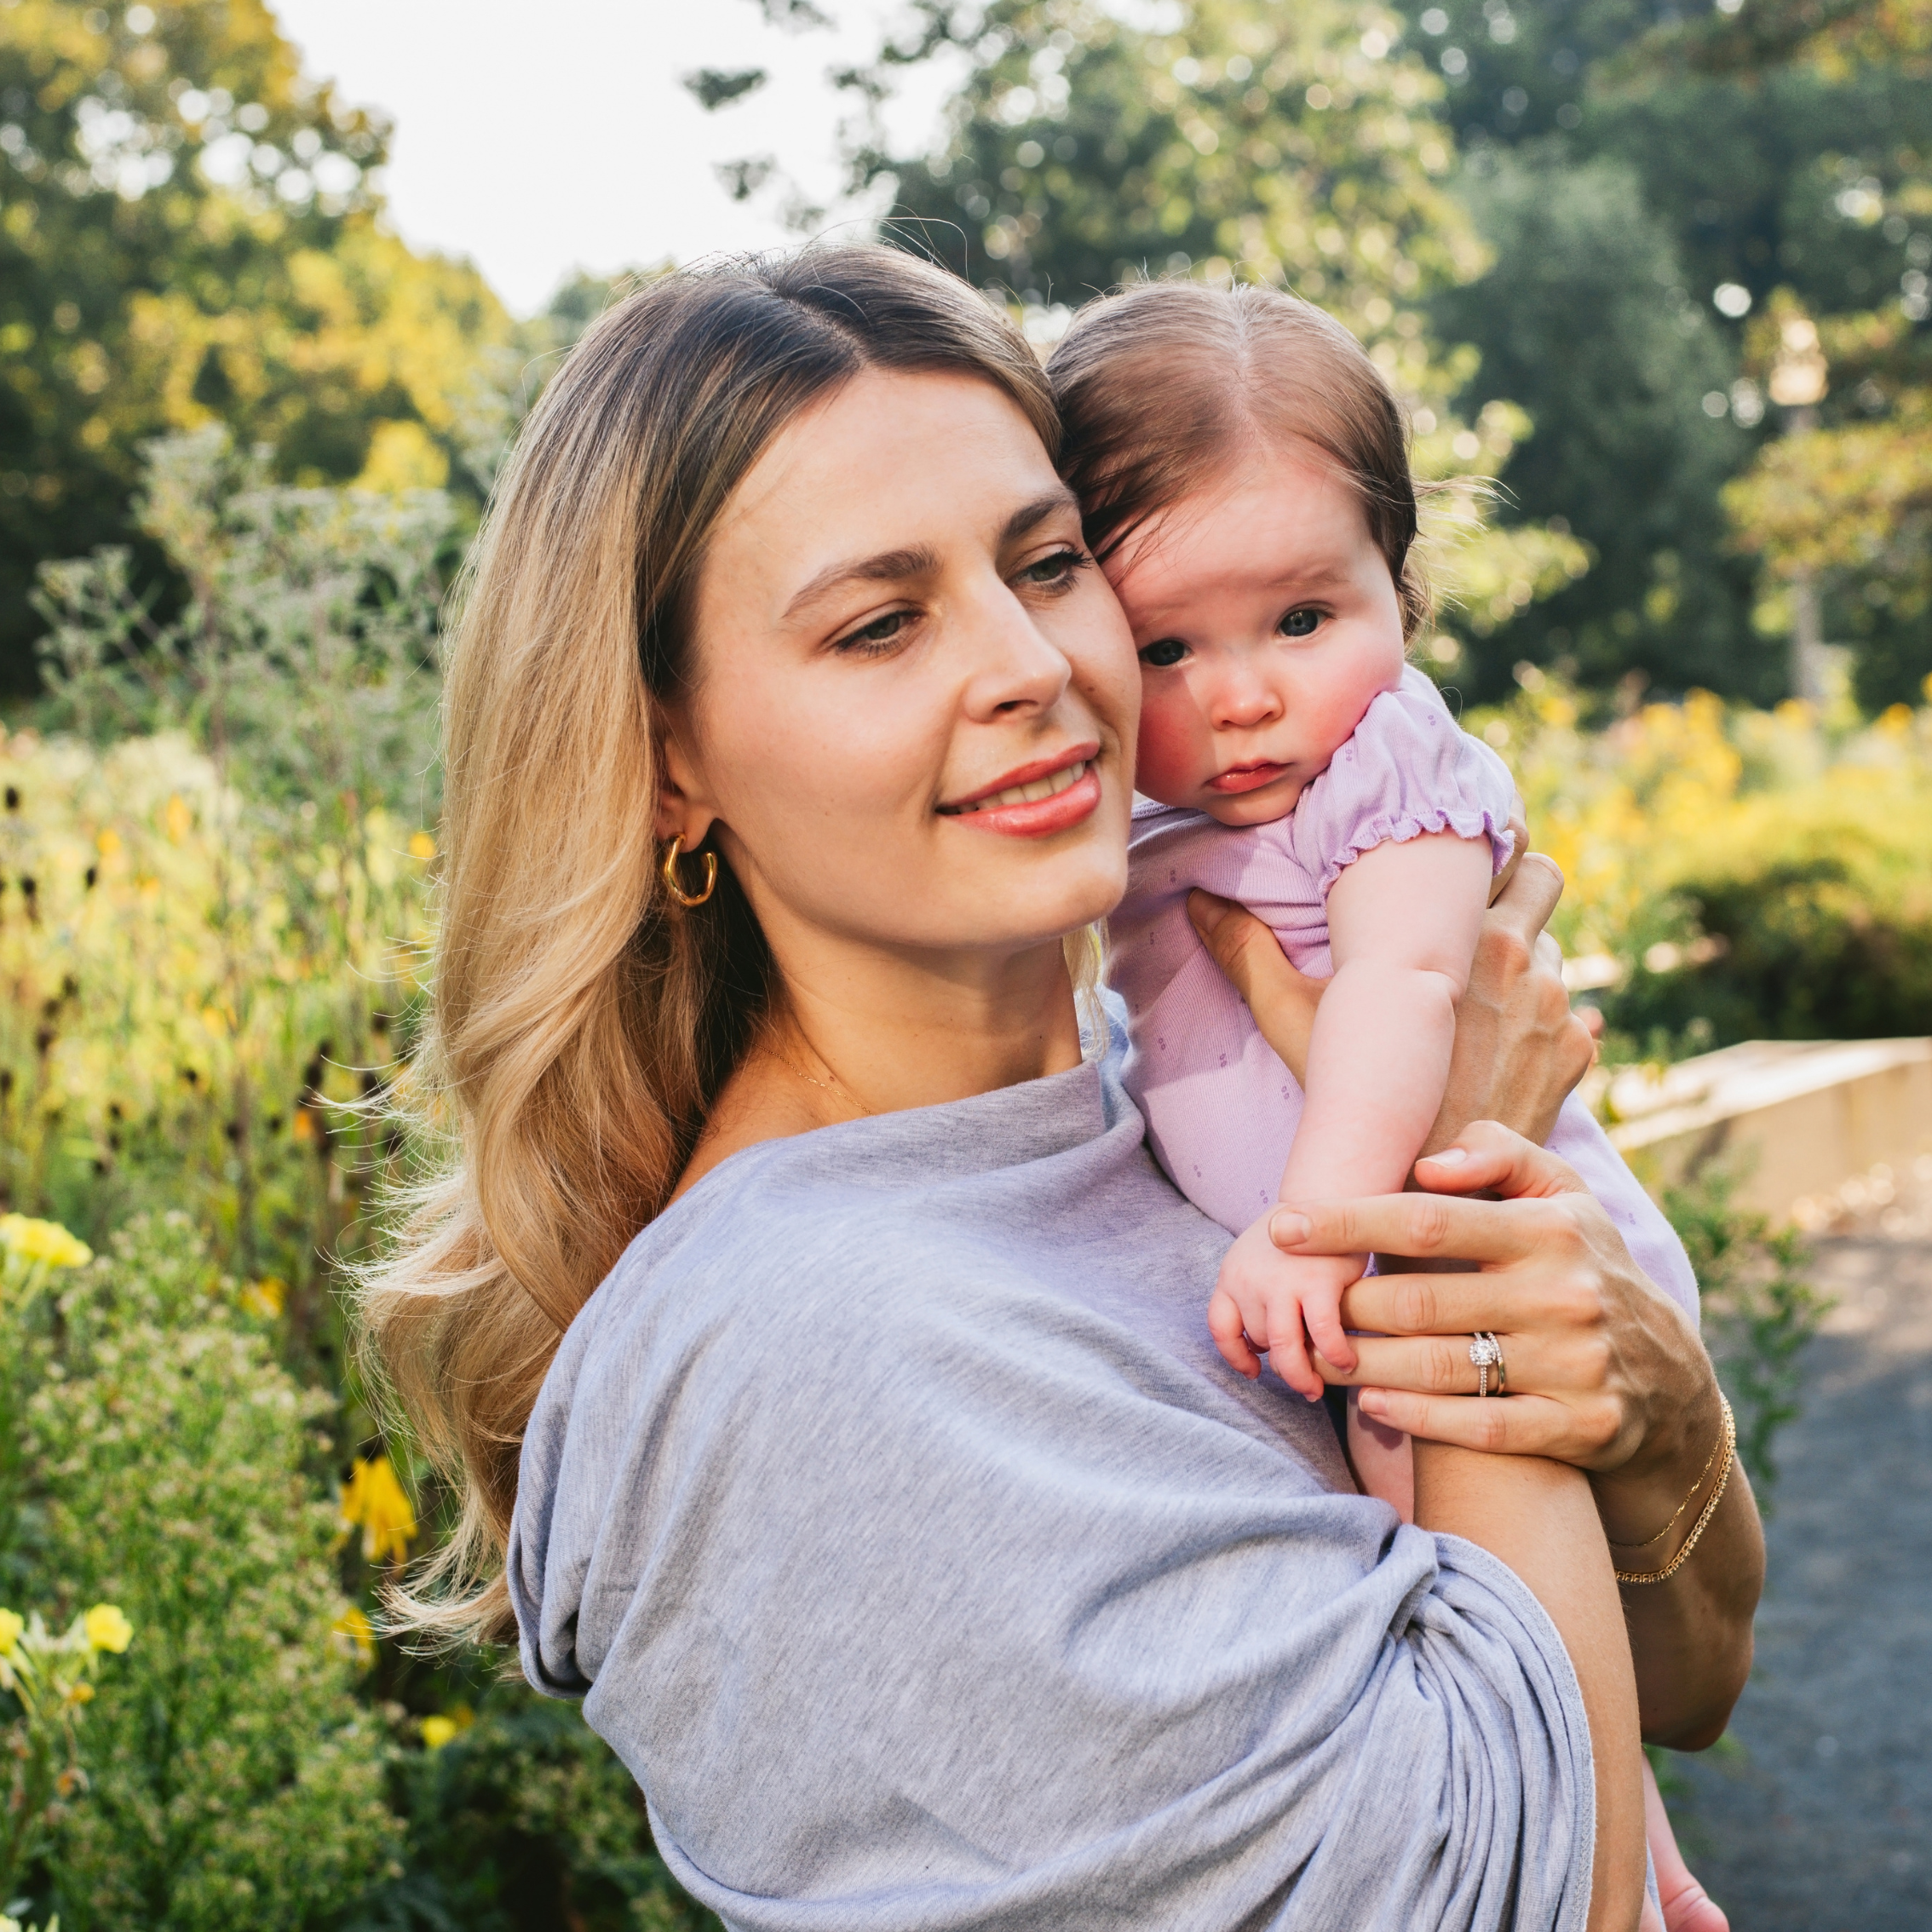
(1300, 624)
(1164, 654)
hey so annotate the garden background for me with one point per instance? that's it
(1653, 282)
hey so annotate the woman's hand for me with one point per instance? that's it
(1519, 1049)
(1603, 1370)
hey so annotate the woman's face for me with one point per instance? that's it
(914, 699)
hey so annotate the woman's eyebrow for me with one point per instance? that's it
(889, 566)
(1029, 516)
(894, 567)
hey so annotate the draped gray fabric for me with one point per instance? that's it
(891, 1511)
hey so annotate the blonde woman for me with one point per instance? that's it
(814, 1342)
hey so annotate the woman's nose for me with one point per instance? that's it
(1015, 670)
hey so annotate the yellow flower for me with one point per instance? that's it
(422, 846)
(374, 1498)
(358, 1635)
(107, 1628)
(11, 1624)
(268, 1297)
(437, 1732)
(43, 1240)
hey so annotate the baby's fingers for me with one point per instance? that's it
(1288, 1356)
(1330, 1337)
(1231, 1335)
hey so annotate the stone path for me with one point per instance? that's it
(1820, 1821)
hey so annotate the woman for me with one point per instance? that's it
(890, 1502)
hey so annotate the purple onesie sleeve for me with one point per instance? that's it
(1221, 1107)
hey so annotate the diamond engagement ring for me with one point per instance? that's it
(1486, 1352)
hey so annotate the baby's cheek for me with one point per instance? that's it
(1168, 753)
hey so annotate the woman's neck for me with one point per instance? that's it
(861, 1033)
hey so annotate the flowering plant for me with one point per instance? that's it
(50, 1679)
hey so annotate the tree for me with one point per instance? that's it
(1782, 145)
(1298, 147)
(189, 234)
(1585, 316)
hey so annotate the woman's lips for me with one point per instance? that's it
(1034, 803)
(1247, 778)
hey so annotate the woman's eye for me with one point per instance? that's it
(877, 635)
(1300, 624)
(1164, 654)
(1056, 572)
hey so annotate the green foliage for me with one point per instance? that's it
(1086, 150)
(188, 235)
(236, 1780)
(1584, 318)
(1735, 874)
(1760, 1312)
(304, 660)
(525, 1818)
(1786, 146)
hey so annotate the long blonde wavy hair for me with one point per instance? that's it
(582, 1025)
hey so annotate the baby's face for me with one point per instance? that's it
(1266, 622)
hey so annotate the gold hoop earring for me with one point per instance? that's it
(668, 869)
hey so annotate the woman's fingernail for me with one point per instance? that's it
(1450, 1157)
(1373, 1403)
(1286, 1228)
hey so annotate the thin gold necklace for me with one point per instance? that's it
(835, 1085)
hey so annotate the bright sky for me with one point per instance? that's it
(537, 139)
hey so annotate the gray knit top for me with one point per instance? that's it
(894, 1516)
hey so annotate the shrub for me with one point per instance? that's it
(524, 1817)
(169, 1465)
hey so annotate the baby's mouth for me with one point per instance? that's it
(1247, 777)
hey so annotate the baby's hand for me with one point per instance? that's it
(1266, 1303)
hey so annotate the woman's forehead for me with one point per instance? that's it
(889, 462)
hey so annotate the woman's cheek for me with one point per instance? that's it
(1166, 755)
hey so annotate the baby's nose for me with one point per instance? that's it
(1243, 706)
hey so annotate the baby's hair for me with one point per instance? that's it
(1160, 386)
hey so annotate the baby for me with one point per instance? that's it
(1244, 477)
(1245, 474)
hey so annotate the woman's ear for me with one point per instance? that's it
(683, 810)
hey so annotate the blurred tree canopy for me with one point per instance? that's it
(1231, 138)
(1784, 144)
(189, 233)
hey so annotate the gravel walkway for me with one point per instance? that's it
(1820, 1818)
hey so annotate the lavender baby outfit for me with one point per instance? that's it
(1221, 1107)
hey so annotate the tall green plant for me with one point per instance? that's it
(236, 1780)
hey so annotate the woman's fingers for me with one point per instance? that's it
(1486, 1157)
(1423, 1226)
(1282, 999)
(1526, 903)
(1514, 1425)
(1434, 1364)
(1519, 834)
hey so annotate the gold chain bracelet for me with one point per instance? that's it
(1690, 1495)
(1729, 1446)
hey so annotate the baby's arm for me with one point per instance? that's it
(1403, 922)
